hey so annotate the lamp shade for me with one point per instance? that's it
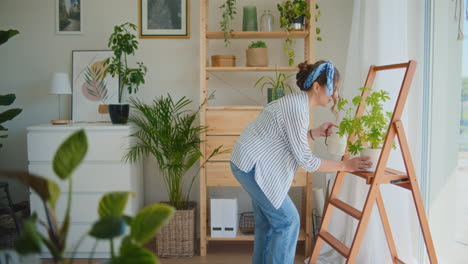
(60, 84)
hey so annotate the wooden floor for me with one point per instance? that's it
(218, 253)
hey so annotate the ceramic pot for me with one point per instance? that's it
(374, 155)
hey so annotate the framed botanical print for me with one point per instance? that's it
(69, 17)
(92, 87)
(164, 18)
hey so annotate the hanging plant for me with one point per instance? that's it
(290, 10)
(229, 10)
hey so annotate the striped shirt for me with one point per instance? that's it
(276, 144)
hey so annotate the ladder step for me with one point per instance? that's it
(346, 208)
(335, 243)
(398, 261)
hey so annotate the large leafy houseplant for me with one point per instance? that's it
(167, 131)
(7, 99)
(123, 43)
(291, 12)
(112, 222)
(369, 129)
(276, 85)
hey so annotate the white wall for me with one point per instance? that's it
(28, 59)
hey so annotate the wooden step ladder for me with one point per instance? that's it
(382, 175)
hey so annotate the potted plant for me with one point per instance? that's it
(167, 132)
(112, 222)
(7, 99)
(124, 44)
(276, 86)
(257, 54)
(292, 17)
(229, 10)
(371, 128)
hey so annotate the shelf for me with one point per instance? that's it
(235, 107)
(243, 237)
(258, 35)
(389, 176)
(249, 69)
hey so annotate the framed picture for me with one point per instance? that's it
(92, 87)
(69, 17)
(164, 18)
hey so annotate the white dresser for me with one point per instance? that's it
(102, 171)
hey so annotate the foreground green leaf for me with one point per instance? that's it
(131, 254)
(149, 220)
(29, 241)
(108, 227)
(70, 154)
(113, 203)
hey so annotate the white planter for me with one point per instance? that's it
(336, 144)
(11, 257)
(374, 155)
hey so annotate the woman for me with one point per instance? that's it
(266, 156)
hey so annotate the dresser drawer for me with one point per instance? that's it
(102, 146)
(90, 177)
(83, 210)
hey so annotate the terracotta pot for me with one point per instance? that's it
(257, 57)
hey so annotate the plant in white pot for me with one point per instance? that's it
(124, 43)
(257, 54)
(168, 133)
(371, 128)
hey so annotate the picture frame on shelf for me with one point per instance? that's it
(68, 17)
(92, 88)
(164, 18)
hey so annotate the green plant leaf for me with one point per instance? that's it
(7, 99)
(149, 220)
(70, 154)
(131, 254)
(9, 114)
(29, 241)
(108, 227)
(6, 35)
(113, 203)
(47, 189)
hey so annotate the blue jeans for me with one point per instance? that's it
(276, 230)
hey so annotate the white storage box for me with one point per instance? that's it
(224, 222)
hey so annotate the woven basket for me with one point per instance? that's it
(176, 239)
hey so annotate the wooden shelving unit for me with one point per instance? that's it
(258, 35)
(226, 123)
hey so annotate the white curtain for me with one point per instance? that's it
(380, 34)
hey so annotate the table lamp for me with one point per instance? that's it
(60, 84)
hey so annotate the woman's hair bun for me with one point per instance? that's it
(303, 68)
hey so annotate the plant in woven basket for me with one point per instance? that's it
(167, 131)
(111, 224)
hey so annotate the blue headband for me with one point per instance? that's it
(328, 66)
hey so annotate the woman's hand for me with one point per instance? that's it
(357, 164)
(323, 130)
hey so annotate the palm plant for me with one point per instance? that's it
(167, 132)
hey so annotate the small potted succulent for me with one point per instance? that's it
(276, 86)
(371, 128)
(257, 54)
(124, 44)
